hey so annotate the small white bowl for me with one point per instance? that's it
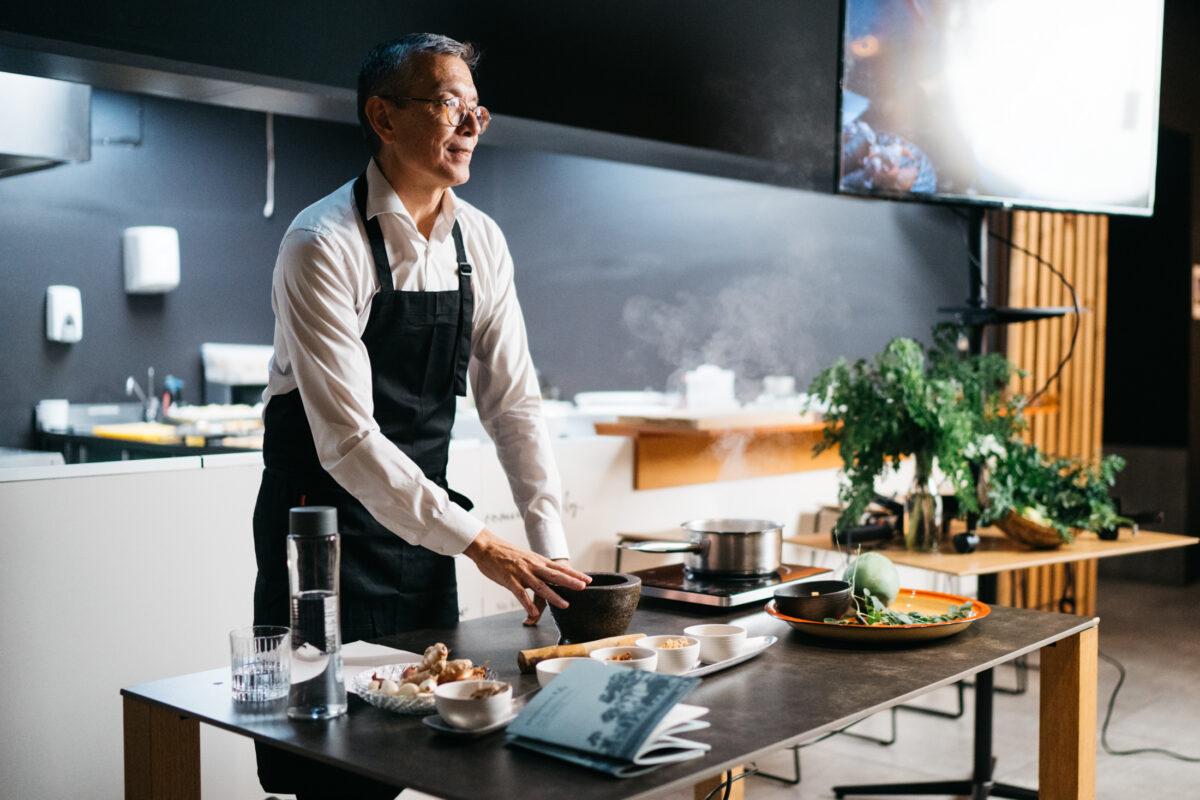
(548, 670)
(455, 705)
(718, 642)
(642, 657)
(673, 660)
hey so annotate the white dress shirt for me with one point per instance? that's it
(321, 293)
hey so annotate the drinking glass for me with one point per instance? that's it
(261, 661)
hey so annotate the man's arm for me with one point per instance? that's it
(508, 399)
(510, 407)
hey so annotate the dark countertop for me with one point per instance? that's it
(796, 690)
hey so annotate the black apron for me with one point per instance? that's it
(419, 344)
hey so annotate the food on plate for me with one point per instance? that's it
(873, 575)
(674, 644)
(873, 612)
(455, 670)
(435, 668)
(490, 690)
(626, 656)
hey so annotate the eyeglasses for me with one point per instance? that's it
(454, 109)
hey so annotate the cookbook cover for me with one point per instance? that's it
(610, 718)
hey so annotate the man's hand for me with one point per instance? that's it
(517, 569)
(539, 603)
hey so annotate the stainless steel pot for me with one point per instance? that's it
(724, 548)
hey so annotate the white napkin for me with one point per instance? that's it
(361, 656)
(365, 654)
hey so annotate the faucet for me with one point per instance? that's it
(148, 399)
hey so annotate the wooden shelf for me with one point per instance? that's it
(686, 450)
(668, 455)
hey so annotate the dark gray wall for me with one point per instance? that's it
(626, 273)
(199, 169)
(629, 273)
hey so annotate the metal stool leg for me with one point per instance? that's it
(937, 712)
(877, 739)
(795, 769)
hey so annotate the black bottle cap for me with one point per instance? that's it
(312, 521)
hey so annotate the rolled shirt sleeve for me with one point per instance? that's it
(510, 407)
(318, 327)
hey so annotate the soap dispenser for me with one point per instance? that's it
(64, 314)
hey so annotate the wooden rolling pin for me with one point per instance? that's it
(528, 659)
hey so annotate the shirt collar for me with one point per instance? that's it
(382, 199)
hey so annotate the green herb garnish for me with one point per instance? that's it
(870, 610)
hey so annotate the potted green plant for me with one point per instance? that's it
(937, 406)
(940, 406)
(1040, 501)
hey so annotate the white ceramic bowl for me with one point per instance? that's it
(548, 670)
(718, 642)
(458, 709)
(642, 657)
(673, 660)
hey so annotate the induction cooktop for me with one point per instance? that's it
(673, 583)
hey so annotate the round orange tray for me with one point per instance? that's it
(920, 600)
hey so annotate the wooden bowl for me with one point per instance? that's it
(831, 601)
(603, 609)
(1029, 533)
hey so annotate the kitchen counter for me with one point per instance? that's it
(795, 691)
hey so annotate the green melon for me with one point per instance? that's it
(876, 572)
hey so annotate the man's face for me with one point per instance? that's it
(421, 139)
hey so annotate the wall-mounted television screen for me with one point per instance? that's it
(1048, 104)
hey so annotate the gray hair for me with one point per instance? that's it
(388, 69)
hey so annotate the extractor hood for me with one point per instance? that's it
(45, 123)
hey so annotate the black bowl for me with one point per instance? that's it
(831, 601)
(601, 610)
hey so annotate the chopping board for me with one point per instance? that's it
(152, 432)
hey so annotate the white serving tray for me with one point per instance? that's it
(754, 646)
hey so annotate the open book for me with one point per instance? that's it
(621, 721)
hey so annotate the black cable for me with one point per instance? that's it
(1058, 274)
(728, 783)
(1112, 701)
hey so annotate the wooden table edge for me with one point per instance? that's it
(1036, 558)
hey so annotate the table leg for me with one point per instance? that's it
(737, 790)
(1067, 737)
(162, 753)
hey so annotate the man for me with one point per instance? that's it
(386, 293)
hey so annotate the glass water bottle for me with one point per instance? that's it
(314, 557)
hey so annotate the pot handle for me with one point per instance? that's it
(663, 547)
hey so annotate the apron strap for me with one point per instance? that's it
(374, 236)
(466, 314)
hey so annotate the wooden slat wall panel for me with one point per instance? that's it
(1077, 245)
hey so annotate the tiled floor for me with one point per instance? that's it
(1153, 631)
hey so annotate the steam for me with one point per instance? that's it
(762, 324)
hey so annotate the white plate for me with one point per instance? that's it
(754, 645)
(441, 726)
(421, 704)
